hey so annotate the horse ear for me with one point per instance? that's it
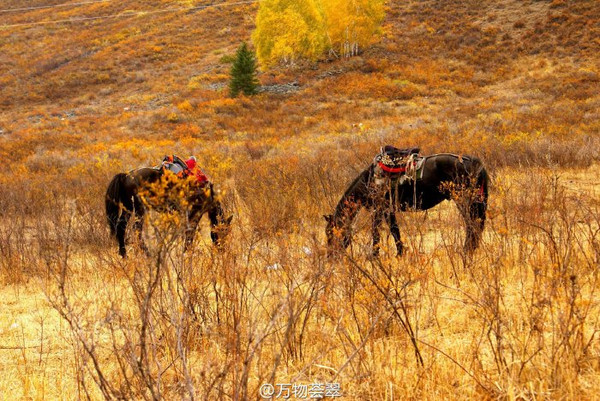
(328, 217)
(228, 220)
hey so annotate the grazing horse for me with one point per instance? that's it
(423, 183)
(133, 193)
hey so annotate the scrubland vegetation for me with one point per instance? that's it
(513, 82)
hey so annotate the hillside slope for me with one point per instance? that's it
(438, 66)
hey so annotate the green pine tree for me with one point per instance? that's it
(243, 73)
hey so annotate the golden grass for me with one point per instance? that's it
(516, 284)
(37, 362)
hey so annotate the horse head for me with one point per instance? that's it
(220, 225)
(219, 232)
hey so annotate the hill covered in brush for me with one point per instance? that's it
(501, 71)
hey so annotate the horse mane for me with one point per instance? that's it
(469, 158)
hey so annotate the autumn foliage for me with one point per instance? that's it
(288, 30)
(352, 25)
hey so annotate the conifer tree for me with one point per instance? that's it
(243, 73)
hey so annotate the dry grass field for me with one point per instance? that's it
(515, 82)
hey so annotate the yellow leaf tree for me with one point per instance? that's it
(289, 29)
(352, 24)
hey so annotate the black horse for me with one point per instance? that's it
(419, 184)
(133, 193)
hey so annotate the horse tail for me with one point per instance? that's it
(475, 215)
(482, 183)
(212, 191)
(481, 203)
(114, 201)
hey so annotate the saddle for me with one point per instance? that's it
(392, 161)
(175, 165)
(184, 169)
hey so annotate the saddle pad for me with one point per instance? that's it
(393, 161)
(173, 167)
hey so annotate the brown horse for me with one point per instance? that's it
(131, 194)
(441, 177)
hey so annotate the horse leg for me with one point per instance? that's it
(474, 222)
(393, 224)
(474, 209)
(377, 218)
(138, 225)
(477, 212)
(218, 223)
(121, 226)
(190, 231)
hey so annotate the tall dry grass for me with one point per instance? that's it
(517, 320)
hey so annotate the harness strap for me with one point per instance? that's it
(393, 170)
